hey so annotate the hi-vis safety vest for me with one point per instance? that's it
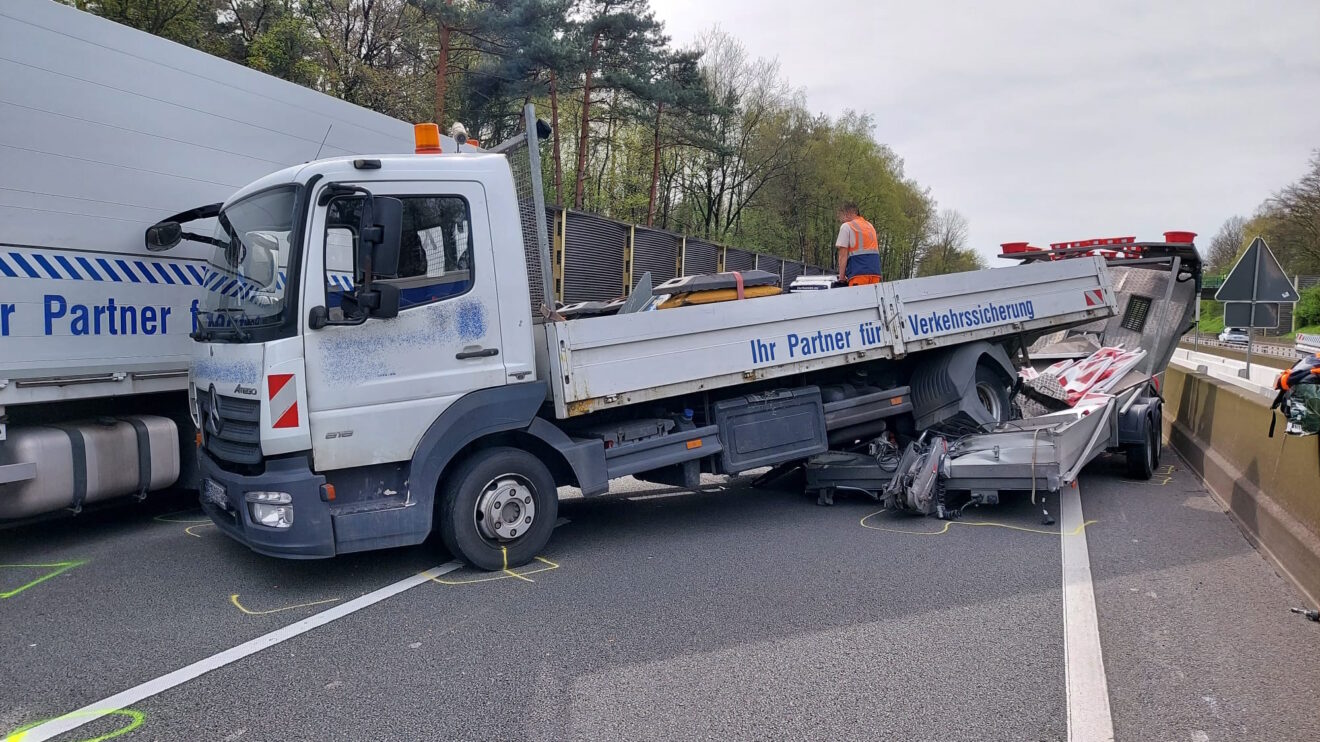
(864, 239)
(863, 254)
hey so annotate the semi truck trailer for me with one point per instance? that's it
(438, 391)
(108, 130)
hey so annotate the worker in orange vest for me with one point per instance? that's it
(859, 250)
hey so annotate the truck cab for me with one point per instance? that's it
(324, 358)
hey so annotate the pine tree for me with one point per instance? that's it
(622, 40)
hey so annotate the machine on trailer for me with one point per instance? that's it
(1113, 366)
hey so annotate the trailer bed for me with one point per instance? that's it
(602, 362)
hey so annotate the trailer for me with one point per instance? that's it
(108, 130)
(1044, 449)
(441, 391)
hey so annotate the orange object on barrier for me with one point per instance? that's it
(863, 280)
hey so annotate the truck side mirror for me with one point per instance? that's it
(379, 234)
(163, 235)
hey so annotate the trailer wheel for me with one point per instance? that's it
(498, 508)
(991, 393)
(1142, 458)
(1158, 433)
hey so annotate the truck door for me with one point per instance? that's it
(373, 389)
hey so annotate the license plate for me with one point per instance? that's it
(214, 493)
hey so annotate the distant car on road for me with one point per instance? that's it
(1233, 335)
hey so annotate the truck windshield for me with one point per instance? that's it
(246, 281)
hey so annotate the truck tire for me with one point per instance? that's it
(1143, 458)
(498, 508)
(962, 389)
(991, 392)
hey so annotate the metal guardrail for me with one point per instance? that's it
(1306, 345)
(1264, 349)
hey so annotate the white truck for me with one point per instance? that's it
(435, 391)
(108, 130)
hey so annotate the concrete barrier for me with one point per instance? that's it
(1271, 486)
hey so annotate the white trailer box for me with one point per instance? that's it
(108, 130)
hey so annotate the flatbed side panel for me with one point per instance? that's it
(625, 359)
(960, 307)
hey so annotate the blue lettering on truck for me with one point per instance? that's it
(62, 315)
(980, 315)
(103, 319)
(821, 342)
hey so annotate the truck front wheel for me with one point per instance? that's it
(498, 508)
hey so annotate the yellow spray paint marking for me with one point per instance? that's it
(507, 574)
(191, 529)
(1159, 478)
(56, 569)
(234, 599)
(169, 517)
(135, 720)
(950, 523)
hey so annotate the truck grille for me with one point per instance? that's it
(233, 431)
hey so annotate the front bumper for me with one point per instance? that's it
(312, 534)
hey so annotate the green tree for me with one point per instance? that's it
(1227, 244)
(948, 251)
(184, 21)
(1294, 216)
(620, 40)
(1308, 307)
(286, 47)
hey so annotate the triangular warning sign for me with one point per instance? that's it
(1259, 268)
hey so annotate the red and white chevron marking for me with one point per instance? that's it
(283, 394)
(1095, 297)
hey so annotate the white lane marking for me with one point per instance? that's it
(1089, 718)
(94, 711)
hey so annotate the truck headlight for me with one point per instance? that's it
(271, 509)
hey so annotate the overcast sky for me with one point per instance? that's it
(1050, 121)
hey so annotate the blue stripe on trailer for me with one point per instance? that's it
(41, 260)
(128, 271)
(60, 266)
(64, 262)
(18, 258)
(87, 266)
(105, 266)
(146, 272)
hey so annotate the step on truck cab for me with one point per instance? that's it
(390, 366)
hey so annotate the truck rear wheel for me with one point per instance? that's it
(498, 508)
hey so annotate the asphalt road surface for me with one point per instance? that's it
(735, 613)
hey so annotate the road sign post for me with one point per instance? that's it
(1257, 277)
